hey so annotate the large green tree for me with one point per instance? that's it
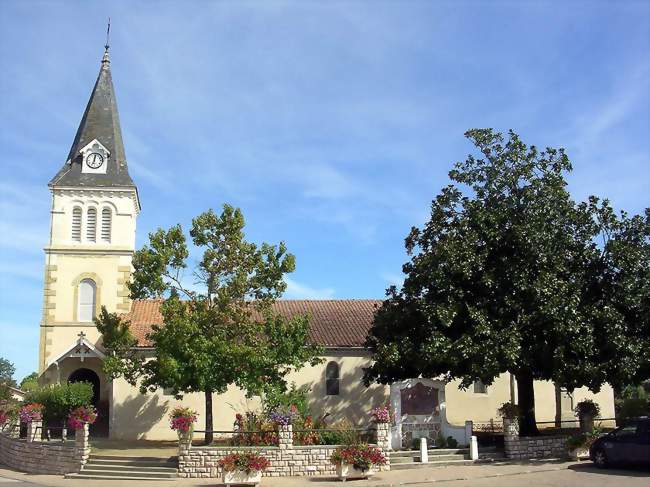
(510, 274)
(219, 325)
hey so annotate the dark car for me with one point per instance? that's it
(629, 444)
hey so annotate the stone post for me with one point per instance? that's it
(586, 423)
(473, 448)
(510, 427)
(424, 453)
(383, 442)
(285, 434)
(34, 431)
(185, 442)
(469, 427)
(81, 445)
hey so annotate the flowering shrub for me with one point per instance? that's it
(4, 417)
(253, 430)
(31, 412)
(182, 419)
(361, 457)
(509, 410)
(81, 415)
(244, 462)
(587, 407)
(284, 416)
(381, 414)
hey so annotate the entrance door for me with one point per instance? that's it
(87, 375)
(100, 428)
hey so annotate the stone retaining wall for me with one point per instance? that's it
(285, 459)
(52, 457)
(524, 447)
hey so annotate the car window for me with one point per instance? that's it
(628, 430)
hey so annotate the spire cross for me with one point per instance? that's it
(108, 34)
(105, 60)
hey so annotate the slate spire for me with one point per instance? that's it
(100, 121)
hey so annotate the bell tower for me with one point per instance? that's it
(95, 205)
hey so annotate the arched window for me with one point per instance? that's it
(87, 297)
(91, 225)
(332, 379)
(76, 224)
(106, 225)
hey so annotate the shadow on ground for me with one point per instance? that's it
(631, 471)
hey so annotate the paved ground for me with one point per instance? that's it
(529, 474)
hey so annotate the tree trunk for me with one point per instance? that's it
(526, 401)
(209, 436)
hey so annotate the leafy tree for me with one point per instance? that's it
(122, 358)
(511, 275)
(29, 382)
(220, 330)
(7, 371)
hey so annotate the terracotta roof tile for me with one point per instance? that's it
(334, 323)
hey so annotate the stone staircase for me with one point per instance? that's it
(439, 457)
(109, 467)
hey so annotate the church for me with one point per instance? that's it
(95, 206)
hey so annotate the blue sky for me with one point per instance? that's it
(331, 124)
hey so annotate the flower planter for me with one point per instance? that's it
(581, 453)
(346, 471)
(242, 478)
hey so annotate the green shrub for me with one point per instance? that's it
(441, 441)
(294, 396)
(342, 433)
(60, 399)
(451, 442)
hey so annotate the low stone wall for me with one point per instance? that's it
(524, 447)
(52, 457)
(285, 459)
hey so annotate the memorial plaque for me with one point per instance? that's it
(419, 399)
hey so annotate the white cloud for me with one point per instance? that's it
(295, 290)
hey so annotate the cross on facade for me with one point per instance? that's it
(81, 351)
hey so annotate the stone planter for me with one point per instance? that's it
(510, 427)
(346, 471)
(242, 478)
(581, 453)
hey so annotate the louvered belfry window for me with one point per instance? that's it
(91, 225)
(76, 224)
(106, 225)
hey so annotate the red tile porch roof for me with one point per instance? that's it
(334, 323)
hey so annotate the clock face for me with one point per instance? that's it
(94, 160)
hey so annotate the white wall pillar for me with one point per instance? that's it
(473, 448)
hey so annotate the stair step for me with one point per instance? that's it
(133, 459)
(121, 468)
(128, 473)
(131, 463)
(433, 451)
(115, 477)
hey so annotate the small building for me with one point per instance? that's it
(95, 206)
